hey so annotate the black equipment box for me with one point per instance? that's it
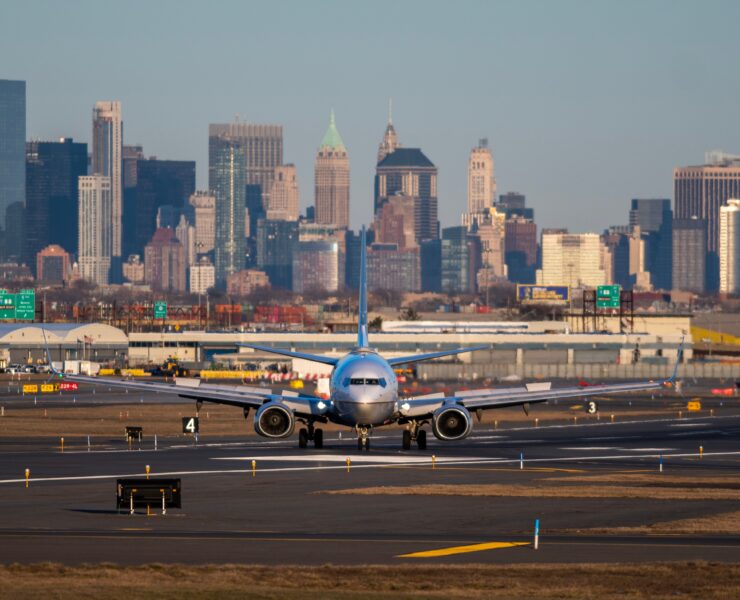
(148, 492)
(133, 433)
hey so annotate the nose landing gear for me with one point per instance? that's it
(363, 438)
(311, 433)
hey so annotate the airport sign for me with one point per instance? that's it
(20, 306)
(607, 296)
(542, 294)
(190, 425)
(160, 309)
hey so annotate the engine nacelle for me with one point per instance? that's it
(274, 420)
(451, 422)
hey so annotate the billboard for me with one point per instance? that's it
(542, 294)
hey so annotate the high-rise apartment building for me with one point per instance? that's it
(262, 152)
(12, 147)
(204, 207)
(276, 242)
(729, 247)
(572, 259)
(689, 255)
(164, 262)
(699, 191)
(284, 204)
(316, 267)
(408, 171)
(654, 217)
(481, 179)
(202, 276)
(53, 265)
(246, 282)
(52, 173)
(395, 222)
(391, 268)
(331, 177)
(95, 228)
(227, 178)
(459, 261)
(107, 160)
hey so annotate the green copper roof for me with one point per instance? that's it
(332, 139)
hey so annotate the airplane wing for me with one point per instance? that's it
(327, 360)
(403, 360)
(234, 395)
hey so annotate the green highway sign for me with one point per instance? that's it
(20, 306)
(160, 309)
(607, 296)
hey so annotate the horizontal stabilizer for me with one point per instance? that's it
(327, 360)
(404, 360)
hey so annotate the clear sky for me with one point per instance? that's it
(586, 104)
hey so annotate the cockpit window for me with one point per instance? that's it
(371, 382)
(381, 381)
(356, 381)
(368, 381)
(345, 383)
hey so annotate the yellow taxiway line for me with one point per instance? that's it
(462, 549)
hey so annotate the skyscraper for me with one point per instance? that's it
(52, 172)
(654, 217)
(332, 179)
(459, 264)
(283, 204)
(95, 228)
(490, 229)
(729, 247)
(520, 242)
(164, 262)
(689, 255)
(262, 147)
(699, 191)
(390, 139)
(276, 241)
(107, 160)
(316, 267)
(395, 222)
(204, 205)
(227, 178)
(481, 180)
(572, 259)
(12, 148)
(410, 172)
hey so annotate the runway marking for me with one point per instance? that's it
(590, 448)
(341, 458)
(689, 425)
(462, 549)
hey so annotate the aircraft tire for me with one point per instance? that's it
(406, 440)
(359, 444)
(421, 439)
(303, 438)
(318, 438)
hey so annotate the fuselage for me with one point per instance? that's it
(363, 389)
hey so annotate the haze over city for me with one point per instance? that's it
(585, 105)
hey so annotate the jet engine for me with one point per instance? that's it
(274, 420)
(451, 422)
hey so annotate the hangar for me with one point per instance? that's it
(23, 343)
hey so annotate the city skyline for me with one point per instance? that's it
(622, 115)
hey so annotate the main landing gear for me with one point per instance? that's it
(311, 433)
(414, 434)
(363, 438)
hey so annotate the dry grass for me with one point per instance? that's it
(537, 491)
(732, 481)
(656, 581)
(722, 523)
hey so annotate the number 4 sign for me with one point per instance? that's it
(190, 424)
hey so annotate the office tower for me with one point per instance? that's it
(13, 239)
(699, 191)
(283, 204)
(459, 263)
(158, 183)
(481, 180)
(227, 177)
(331, 177)
(430, 255)
(107, 160)
(572, 259)
(640, 278)
(53, 265)
(316, 267)
(276, 241)
(12, 148)
(689, 255)
(520, 247)
(52, 173)
(395, 222)
(262, 151)
(131, 155)
(185, 232)
(164, 262)
(204, 207)
(616, 240)
(392, 268)
(390, 139)
(247, 281)
(95, 228)
(202, 276)
(514, 204)
(654, 217)
(410, 172)
(490, 229)
(729, 247)
(133, 269)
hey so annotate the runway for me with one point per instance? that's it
(283, 515)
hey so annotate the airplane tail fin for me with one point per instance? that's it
(362, 341)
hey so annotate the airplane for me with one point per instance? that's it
(363, 394)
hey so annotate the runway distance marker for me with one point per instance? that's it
(463, 549)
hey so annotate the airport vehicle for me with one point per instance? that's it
(170, 368)
(363, 394)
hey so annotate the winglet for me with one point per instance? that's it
(362, 341)
(679, 356)
(48, 355)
